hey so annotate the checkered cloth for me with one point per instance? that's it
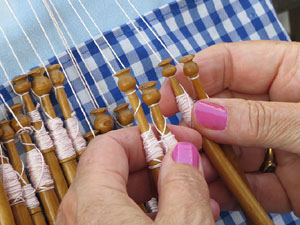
(185, 27)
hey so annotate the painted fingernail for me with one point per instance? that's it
(210, 115)
(185, 152)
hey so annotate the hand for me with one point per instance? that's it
(264, 79)
(112, 177)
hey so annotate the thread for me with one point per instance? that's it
(31, 200)
(78, 141)
(152, 147)
(63, 144)
(185, 105)
(38, 170)
(11, 184)
(153, 205)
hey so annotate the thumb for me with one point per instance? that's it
(249, 123)
(183, 191)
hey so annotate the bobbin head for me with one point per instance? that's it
(126, 82)
(124, 114)
(103, 122)
(168, 69)
(41, 85)
(190, 68)
(89, 136)
(150, 94)
(8, 132)
(21, 84)
(22, 118)
(1, 132)
(56, 76)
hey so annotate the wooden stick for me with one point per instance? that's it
(125, 116)
(41, 85)
(19, 209)
(6, 215)
(127, 84)
(226, 170)
(269, 164)
(8, 139)
(48, 198)
(22, 86)
(58, 79)
(103, 122)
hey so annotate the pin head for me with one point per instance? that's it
(150, 94)
(56, 76)
(41, 85)
(22, 84)
(124, 114)
(126, 82)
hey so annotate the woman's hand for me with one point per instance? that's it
(112, 177)
(264, 77)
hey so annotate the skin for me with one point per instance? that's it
(258, 83)
(110, 181)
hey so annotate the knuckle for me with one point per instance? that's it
(259, 120)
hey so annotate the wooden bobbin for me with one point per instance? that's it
(169, 70)
(22, 87)
(48, 198)
(127, 84)
(125, 116)
(269, 164)
(41, 86)
(8, 139)
(103, 122)
(225, 161)
(6, 215)
(19, 210)
(58, 79)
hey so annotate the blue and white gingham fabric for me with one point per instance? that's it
(185, 27)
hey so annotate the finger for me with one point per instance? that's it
(234, 66)
(183, 192)
(266, 188)
(259, 124)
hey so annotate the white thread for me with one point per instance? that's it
(12, 50)
(38, 170)
(31, 200)
(11, 184)
(153, 205)
(151, 29)
(3, 113)
(78, 141)
(152, 147)
(62, 142)
(139, 105)
(138, 31)
(185, 105)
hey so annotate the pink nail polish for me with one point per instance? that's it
(210, 115)
(185, 152)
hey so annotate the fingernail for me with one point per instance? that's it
(185, 152)
(210, 115)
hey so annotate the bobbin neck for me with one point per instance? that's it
(150, 94)
(190, 68)
(8, 132)
(24, 120)
(41, 85)
(56, 76)
(126, 82)
(21, 84)
(168, 69)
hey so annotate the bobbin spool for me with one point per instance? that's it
(19, 209)
(48, 197)
(57, 78)
(125, 116)
(103, 122)
(22, 86)
(41, 86)
(127, 84)
(225, 161)
(6, 215)
(8, 139)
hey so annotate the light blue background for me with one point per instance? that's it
(105, 12)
